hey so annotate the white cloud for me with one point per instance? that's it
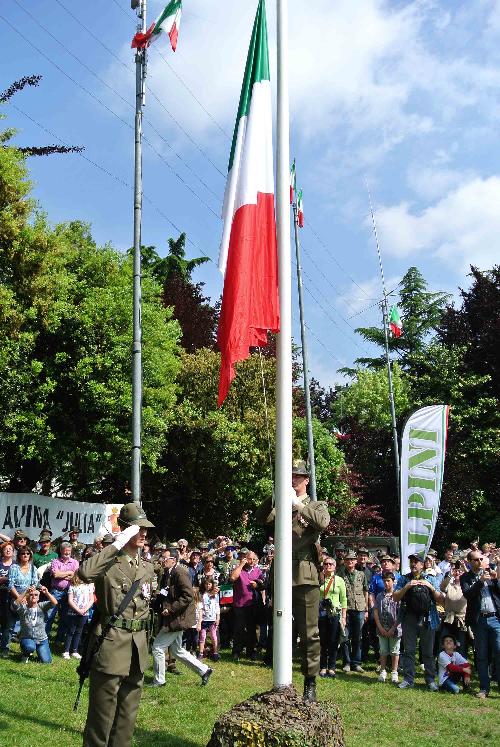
(430, 182)
(461, 228)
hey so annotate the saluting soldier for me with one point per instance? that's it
(117, 672)
(309, 519)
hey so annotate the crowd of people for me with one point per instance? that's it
(445, 613)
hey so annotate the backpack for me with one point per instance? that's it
(419, 600)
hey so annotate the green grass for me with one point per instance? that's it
(36, 708)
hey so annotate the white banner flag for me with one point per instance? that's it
(423, 449)
(32, 513)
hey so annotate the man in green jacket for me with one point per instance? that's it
(117, 671)
(309, 519)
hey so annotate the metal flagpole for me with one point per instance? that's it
(140, 88)
(307, 391)
(282, 599)
(385, 315)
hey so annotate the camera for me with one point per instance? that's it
(326, 605)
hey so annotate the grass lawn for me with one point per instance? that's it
(36, 708)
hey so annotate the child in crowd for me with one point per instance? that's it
(80, 600)
(453, 667)
(32, 616)
(386, 614)
(191, 635)
(210, 616)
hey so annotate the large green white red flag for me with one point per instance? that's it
(248, 253)
(395, 323)
(293, 181)
(168, 22)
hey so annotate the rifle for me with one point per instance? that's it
(91, 650)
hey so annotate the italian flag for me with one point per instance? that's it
(395, 323)
(293, 181)
(167, 22)
(300, 209)
(248, 253)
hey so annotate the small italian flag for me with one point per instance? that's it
(293, 181)
(167, 22)
(395, 323)
(300, 209)
(248, 254)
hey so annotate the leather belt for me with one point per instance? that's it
(488, 614)
(133, 626)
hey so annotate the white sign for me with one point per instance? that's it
(32, 513)
(423, 449)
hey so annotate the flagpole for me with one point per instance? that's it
(140, 88)
(385, 315)
(307, 391)
(282, 598)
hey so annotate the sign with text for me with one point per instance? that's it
(32, 513)
(423, 449)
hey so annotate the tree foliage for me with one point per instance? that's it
(65, 365)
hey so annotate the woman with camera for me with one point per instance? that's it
(455, 606)
(332, 616)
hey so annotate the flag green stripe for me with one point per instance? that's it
(171, 8)
(257, 69)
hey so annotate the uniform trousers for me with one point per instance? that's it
(172, 639)
(113, 705)
(305, 606)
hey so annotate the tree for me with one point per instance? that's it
(7, 135)
(66, 324)
(421, 311)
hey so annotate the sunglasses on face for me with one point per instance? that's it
(327, 563)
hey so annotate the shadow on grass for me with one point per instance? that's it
(147, 738)
(18, 717)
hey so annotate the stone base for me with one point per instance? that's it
(279, 718)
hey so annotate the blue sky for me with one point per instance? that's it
(403, 95)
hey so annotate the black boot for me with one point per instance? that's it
(310, 689)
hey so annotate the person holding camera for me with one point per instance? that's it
(481, 589)
(332, 617)
(455, 606)
(32, 616)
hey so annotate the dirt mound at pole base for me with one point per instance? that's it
(279, 718)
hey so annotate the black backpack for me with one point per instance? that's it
(419, 600)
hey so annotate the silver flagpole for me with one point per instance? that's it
(307, 391)
(282, 600)
(385, 314)
(140, 87)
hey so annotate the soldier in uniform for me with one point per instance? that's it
(117, 671)
(309, 519)
(77, 548)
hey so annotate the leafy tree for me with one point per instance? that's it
(7, 135)
(421, 311)
(66, 326)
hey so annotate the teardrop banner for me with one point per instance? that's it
(423, 449)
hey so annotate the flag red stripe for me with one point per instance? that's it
(301, 219)
(140, 40)
(250, 298)
(174, 35)
(396, 331)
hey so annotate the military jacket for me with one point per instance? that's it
(356, 587)
(307, 524)
(112, 574)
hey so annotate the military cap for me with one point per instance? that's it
(243, 551)
(299, 467)
(386, 557)
(362, 551)
(131, 513)
(203, 546)
(75, 530)
(45, 536)
(432, 553)
(351, 555)
(339, 546)
(418, 556)
(108, 539)
(159, 546)
(20, 534)
(173, 545)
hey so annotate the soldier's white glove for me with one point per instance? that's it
(296, 502)
(127, 534)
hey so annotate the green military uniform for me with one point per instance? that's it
(118, 670)
(307, 523)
